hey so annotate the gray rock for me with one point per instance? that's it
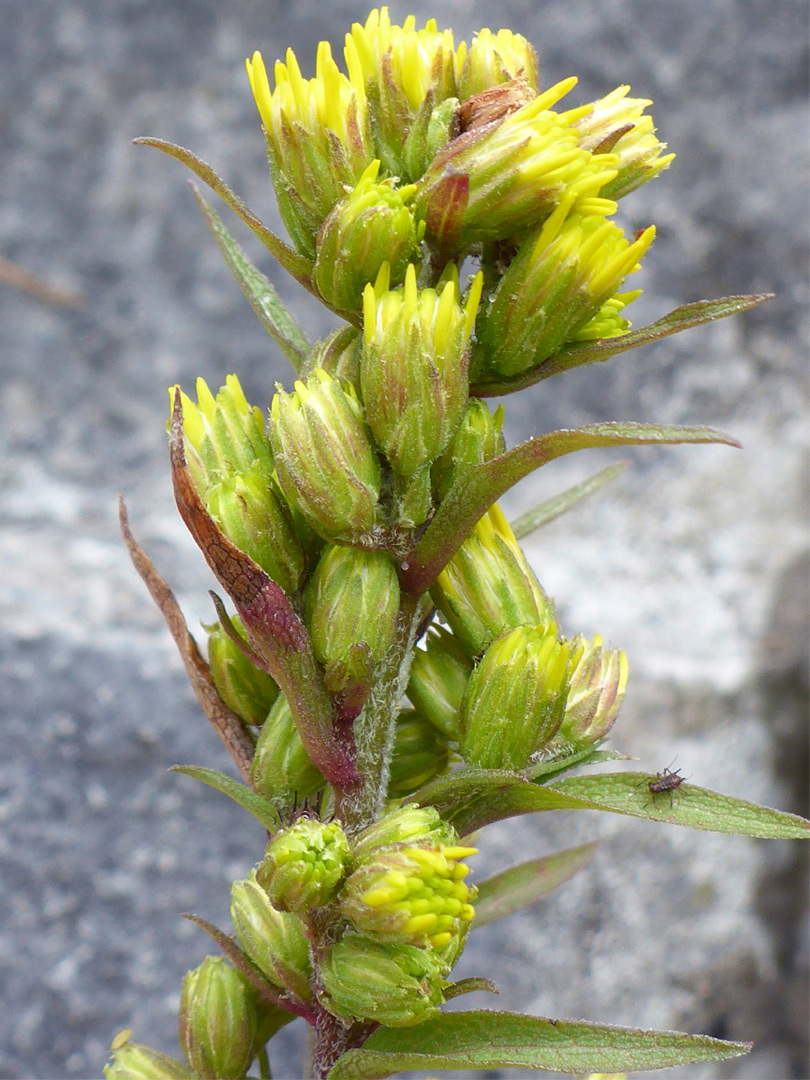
(694, 562)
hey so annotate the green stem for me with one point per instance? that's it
(264, 1064)
(374, 728)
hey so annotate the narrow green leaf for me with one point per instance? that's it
(456, 789)
(478, 488)
(470, 986)
(519, 886)
(551, 767)
(260, 808)
(560, 504)
(293, 263)
(693, 807)
(259, 292)
(484, 1039)
(590, 352)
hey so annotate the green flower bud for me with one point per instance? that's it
(478, 439)
(246, 690)
(598, 682)
(230, 458)
(499, 178)
(133, 1061)
(223, 434)
(438, 679)
(370, 226)
(493, 59)
(318, 139)
(217, 1020)
(304, 865)
(352, 605)
(419, 754)
(413, 894)
(395, 985)
(617, 123)
(274, 940)
(339, 354)
(432, 129)
(488, 587)
(515, 699)
(404, 825)
(559, 280)
(414, 367)
(326, 464)
(399, 67)
(281, 767)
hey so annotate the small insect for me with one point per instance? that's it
(665, 783)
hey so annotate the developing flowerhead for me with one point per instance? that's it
(318, 138)
(134, 1061)
(419, 754)
(304, 865)
(488, 587)
(492, 59)
(439, 675)
(370, 226)
(501, 178)
(619, 124)
(217, 1020)
(281, 768)
(414, 366)
(515, 699)
(598, 682)
(326, 463)
(397, 985)
(403, 825)
(246, 690)
(558, 282)
(411, 893)
(274, 940)
(401, 69)
(478, 439)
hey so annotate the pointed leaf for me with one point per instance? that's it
(546, 770)
(476, 489)
(560, 504)
(259, 807)
(522, 885)
(590, 352)
(259, 292)
(462, 786)
(230, 727)
(482, 1039)
(293, 263)
(693, 807)
(470, 986)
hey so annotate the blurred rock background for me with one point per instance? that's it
(695, 561)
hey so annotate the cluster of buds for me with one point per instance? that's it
(388, 627)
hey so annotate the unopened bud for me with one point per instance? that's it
(304, 865)
(326, 464)
(246, 690)
(619, 124)
(339, 354)
(558, 281)
(414, 367)
(488, 587)
(217, 1020)
(515, 699)
(492, 59)
(414, 894)
(281, 767)
(370, 226)
(394, 985)
(478, 439)
(438, 679)
(419, 754)
(274, 940)
(133, 1061)
(353, 603)
(598, 682)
